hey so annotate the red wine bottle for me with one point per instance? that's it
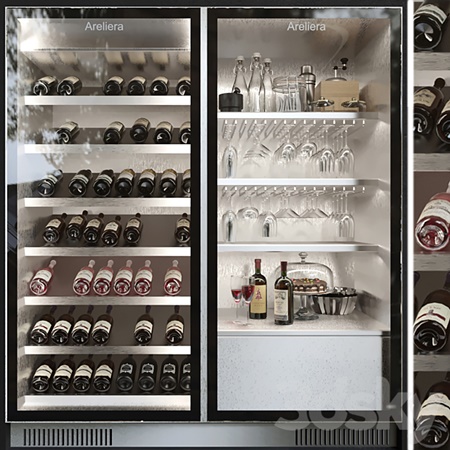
(104, 182)
(113, 86)
(69, 86)
(175, 327)
(48, 185)
(137, 86)
(40, 333)
(40, 381)
(133, 230)
(83, 375)
(159, 86)
(284, 298)
(79, 183)
(126, 375)
(101, 331)
(63, 375)
(183, 230)
(75, 227)
(54, 229)
(93, 230)
(111, 232)
(62, 328)
(82, 328)
(125, 182)
(139, 131)
(258, 305)
(103, 375)
(114, 133)
(147, 374)
(146, 182)
(168, 380)
(143, 331)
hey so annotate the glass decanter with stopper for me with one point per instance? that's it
(240, 82)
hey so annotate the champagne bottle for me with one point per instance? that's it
(139, 131)
(45, 85)
(125, 182)
(93, 230)
(101, 331)
(183, 230)
(63, 375)
(111, 232)
(146, 183)
(168, 183)
(54, 229)
(184, 86)
(113, 86)
(76, 225)
(143, 331)
(258, 305)
(40, 381)
(79, 183)
(175, 327)
(103, 375)
(159, 86)
(127, 374)
(41, 330)
(163, 133)
(62, 328)
(427, 104)
(168, 379)
(185, 133)
(133, 230)
(83, 376)
(82, 328)
(114, 133)
(67, 132)
(137, 86)
(104, 182)
(147, 374)
(185, 374)
(69, 86)
(284, 298)
(48, 185)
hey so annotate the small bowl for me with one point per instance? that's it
(340, 302)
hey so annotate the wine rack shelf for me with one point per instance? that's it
(431, 261)
(333, 247)
(432, 162)
(105, 350)
(157, 402)
(107, 300)
(348, 183)
(112, 252)
(432, 363)
(296, 115)
(82, 149)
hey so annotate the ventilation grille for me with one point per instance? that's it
(342, 437)
(67, 437)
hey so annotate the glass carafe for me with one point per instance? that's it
(254, 89)
(240, 82)
(268, 96)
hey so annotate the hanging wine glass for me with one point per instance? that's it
(285, 154)
(248, 211)
(230, 155)
(325, 158)
(304, 153)
(267, 220)
(346, 223)
(346, 157)
(285, 212)
(229, 220)
(258, 152)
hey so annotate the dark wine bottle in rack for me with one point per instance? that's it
(45, 85)
(103, 375)
(62, 328)
(75, 227)
(40, 333)
(427, 104)
(137, 86)
(429, 20)
(83, 279)
(168, 183)
(184, 86)
(113, 86)
(186, 183)
(127, 374)
(185, 374)
(183, 230)
(143, 331)
(93, 230)
(79, 183)
(163, 133)
(111, 233)
(147, 374)
(185, 133)
(168, 379)
(139, 131)
(175, 327)
(47, 186)
(133, 230)
(104, 182)
(159, 86)
(146, 182)
(40, 381)
(143, 281)
(83, 375)
(124, 279)
(54, 229)
(67, 132)
(125, 182)
(101, 331)
(62, 378)
(69, 86)
(82, 328)
(114, 133)
(443, 124)
(103, 280)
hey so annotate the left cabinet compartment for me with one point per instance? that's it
(102, 178)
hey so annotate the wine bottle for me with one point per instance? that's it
(104, 182)
(258, 305)
(79, 183)
(184, 86)
(133, 230)
(40, 282)
(443, 124)
(40, 332)
(69, 86)
(45, 85)
(185, 374)
(83, 279)
(284, 298)
(433, 227)
(47, 186)
(111, 232)
(113, 86)
(114, 133)
(168, 183)
(147, 374)
(103, 279)
(143, 331)
(54, 229)
(126, 375)
(143, 280)
(146, 183)
(103, 375)
(123, 280)
(431, 324)
(82, 328)
(183, 230)
(140, 129)
(186, 183)
(40, 381)
(185, 133)
(62, 328)
(429, 19)
(93, 230)
(101, 331)
(125, 182)
(432, 423)
(159, 86)
(168, 379)
(173, 279)
(427, 103)
(175, 327)
(137, 86)
(63, 375)
(163, 133)
(67, 132)
(76, 225)
(83, 376)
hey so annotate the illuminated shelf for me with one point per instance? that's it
(432, 261)
(333, 247)
(298, 115)
(105, 350)
(118, 202)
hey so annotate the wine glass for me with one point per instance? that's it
(346, 222)
(285, 211)
(285, 154)
(248, 289)
(304, 153)
(325, 159)
(267, 220)
(236, 283)
(346, 157)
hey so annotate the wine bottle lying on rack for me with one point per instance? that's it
(147, 374)
(45, 85)
(168, 379)
(429, 20)
(175, 327)
(427, 104)
(137, 86)
(40, 381)
(185, 374)
(140, 129)
(114, 133)
(40, 282)
(40, 333)
(113, 86)
(48, 185)
(54, 229)
(143, 281)
(186, 183)
(159, 86)
(103, 375)
(146, 182)
(76, 225)
(111, 233)
(101, 331)
(163, 133)
(185, 133)
(125, 182)
(443, 124)
(183, 230)
(143, 331)
(82, 328)
(62, 378)
(83, 279)
(79, 183)
(67, 132)
(93, 230)
(69, 86)
(183, 86)
(126, 375)
(103, 280)
(104, 182)
(83, 375)
(168, 183)
(62, 328)
(124, 279)
(133, 230)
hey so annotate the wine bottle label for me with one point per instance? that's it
(84, 274)
(148, 368)
(435, 405)
(72, 79)
(165, 126)
(77, 220)
(105, 177)
(183, 223)
(126, 368)
(259, 303)
(43, 274)
(102, 325)
(148, 174)
(187, 174)
(119, 126)
(437, 208)
(80, 177)
(43, 371)
(145, 274)
(52, 178)
(43, 325)
(175, 325)
(54, 223)
(173, 274)
(169, 368)
(104, 274)
(83, 371)
(138, 79)
(82, 325)
(187, 368)
(112, 226)
(69, 126)
(116, 79)
(94, 223)
(126, 174)
(62, 325)
(280, 303)
(424, 97)
(184, 79)
(104, 371)
(124, 273)
(63, 371)
(144, 325)
(434, 311)
(433, 11)
(446, 107)
(135, 223)
(169, 174)
(163, 79)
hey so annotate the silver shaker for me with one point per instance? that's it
(307, 72)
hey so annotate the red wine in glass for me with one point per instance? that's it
(236, 293)
(247, 292)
